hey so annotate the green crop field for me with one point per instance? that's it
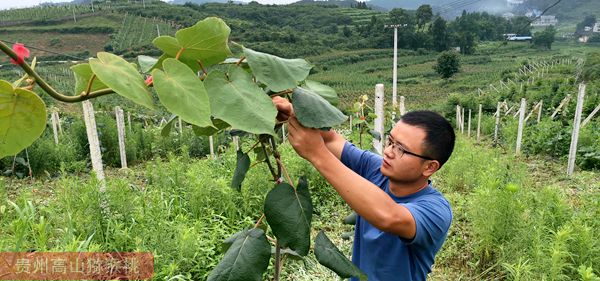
(516, 216)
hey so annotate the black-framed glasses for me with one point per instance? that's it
(400, 150)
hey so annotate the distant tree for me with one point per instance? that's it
(466, 42)
(346, 31)
(401, 16)
(587, 21)
(424, 15)
(447, 65)
(520, 25)
(544, 39)
(439, 34)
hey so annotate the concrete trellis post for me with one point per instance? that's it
(497, 123)
(469, 125)
(535, 108)
(458, 117)
(121, 132)
(539, 117)
(236, 140)
(576, 126)
(590, 116)
(180, 125)
(212, 147)
(462, 121)
(378, 122)
(402, 107)
(521, 125)
(479, 123)
(92, 134)
(129, 121)
(55, 123)
(562, 104)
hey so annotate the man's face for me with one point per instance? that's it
(404, 167)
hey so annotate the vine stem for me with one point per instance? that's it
(287, 176)
(46, 87)
(282, 93)
(240, 61)
(253, 147)
(276, 176)
(89, 85)
(202, 67)
(179, 53)
(259, 220)
(277, 261)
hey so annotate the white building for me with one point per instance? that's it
(545, 21)
(596, 27)
(514, 3)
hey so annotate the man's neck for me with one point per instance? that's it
(401, 189)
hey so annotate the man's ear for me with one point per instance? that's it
(431, 167)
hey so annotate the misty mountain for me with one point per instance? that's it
(447, 8)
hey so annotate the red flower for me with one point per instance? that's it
(21, 52)
(149, 81)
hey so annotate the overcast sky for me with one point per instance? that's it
(6, 4)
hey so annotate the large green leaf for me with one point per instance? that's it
(322, 90)
(240, 102)
(166, 129)
(289, 213)
(313, 111)
(83, 74)
(217, 125)
(146, 63)
(241, 168)
(246, 259)
(182, 93)
(330, 256)
(122, 77)
(205, 42)
(22, 119)
(277, 73)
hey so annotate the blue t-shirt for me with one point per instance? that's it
(388, 257)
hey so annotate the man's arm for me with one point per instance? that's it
(367, 199)
(334, 142)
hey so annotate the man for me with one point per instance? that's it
(402, 220)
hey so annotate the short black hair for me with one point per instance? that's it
(439, 138)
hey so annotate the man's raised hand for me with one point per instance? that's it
(284, 108)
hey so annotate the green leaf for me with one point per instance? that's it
(287, 251)
(330, 256)
(322, 90)
(313, 111)
(206, 42)
(241, 168)
(351, 218)
(146, 63)
(240, 102)
(217, 125)
(182, 93)
(22, 118)
(229, 241)
(166, 129)
(246, 259)
(121, 77)
(277, 73)
(289, 213)
(260, 154)
(83, 73)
